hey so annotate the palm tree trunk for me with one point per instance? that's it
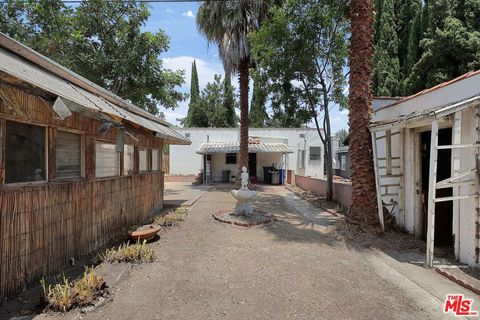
(243, 82)
(364, 204)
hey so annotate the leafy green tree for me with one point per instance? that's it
(214, 107)
(342, 136)
(258, 114)
(302, 50)
(386, 70)
(101, 40)
(213, 96)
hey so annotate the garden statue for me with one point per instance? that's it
(244, 177)
(243, 196)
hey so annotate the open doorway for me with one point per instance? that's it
(443, 210)
(252, 165)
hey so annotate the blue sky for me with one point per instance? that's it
(187, 44)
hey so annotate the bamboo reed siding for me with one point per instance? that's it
(43, 225)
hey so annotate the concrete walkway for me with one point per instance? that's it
(295, 268)
(182, 193)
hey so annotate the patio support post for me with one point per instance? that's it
(456, 170)
(432, 182)
(377, 180)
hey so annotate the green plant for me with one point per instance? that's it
(172, 218)
(67, 295)
(58, 297)
(127, 252)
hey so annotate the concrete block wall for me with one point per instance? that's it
(342, 191)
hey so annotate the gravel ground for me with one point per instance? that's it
(290, 269)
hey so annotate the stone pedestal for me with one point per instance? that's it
(244, 204)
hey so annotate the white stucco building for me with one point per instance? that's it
(214, 150)
(426, 149)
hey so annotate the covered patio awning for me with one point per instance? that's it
(234, 147)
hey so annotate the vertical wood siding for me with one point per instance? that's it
(43, 226)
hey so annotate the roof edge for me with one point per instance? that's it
(431, 89)
(57, 69)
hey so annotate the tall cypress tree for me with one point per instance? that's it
(405, 14)
(196, 116)
(386, 70)
(377, 7)
(229, 102)
(450, 45)
(413, 48)
(194, 86)
(258, 115)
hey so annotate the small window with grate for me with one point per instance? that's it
(315, 153)
(231, 158)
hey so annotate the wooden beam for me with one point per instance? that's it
(465, 196)
(459, 146)
(461, 175)
(3, 126)
(455, 184)
(51, 163)
(432, 181)
(388, 144)
(377, 182)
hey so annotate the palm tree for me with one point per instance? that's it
(227, 24)
(364, 204)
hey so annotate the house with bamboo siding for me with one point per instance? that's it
(78, 164)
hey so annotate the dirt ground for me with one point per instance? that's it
(290, 269)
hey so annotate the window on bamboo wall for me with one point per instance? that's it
(155, 160)
(129, 160)
(25, 153)
(107, 160)
(142, 160)
(69, 155)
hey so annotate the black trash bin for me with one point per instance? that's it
(267, 176)
(225, 175)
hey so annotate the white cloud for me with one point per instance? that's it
(188, 13)
(169, 11)
(179, 113)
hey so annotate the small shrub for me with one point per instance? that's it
(127, 252)
(67, 295)
(173, 218)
